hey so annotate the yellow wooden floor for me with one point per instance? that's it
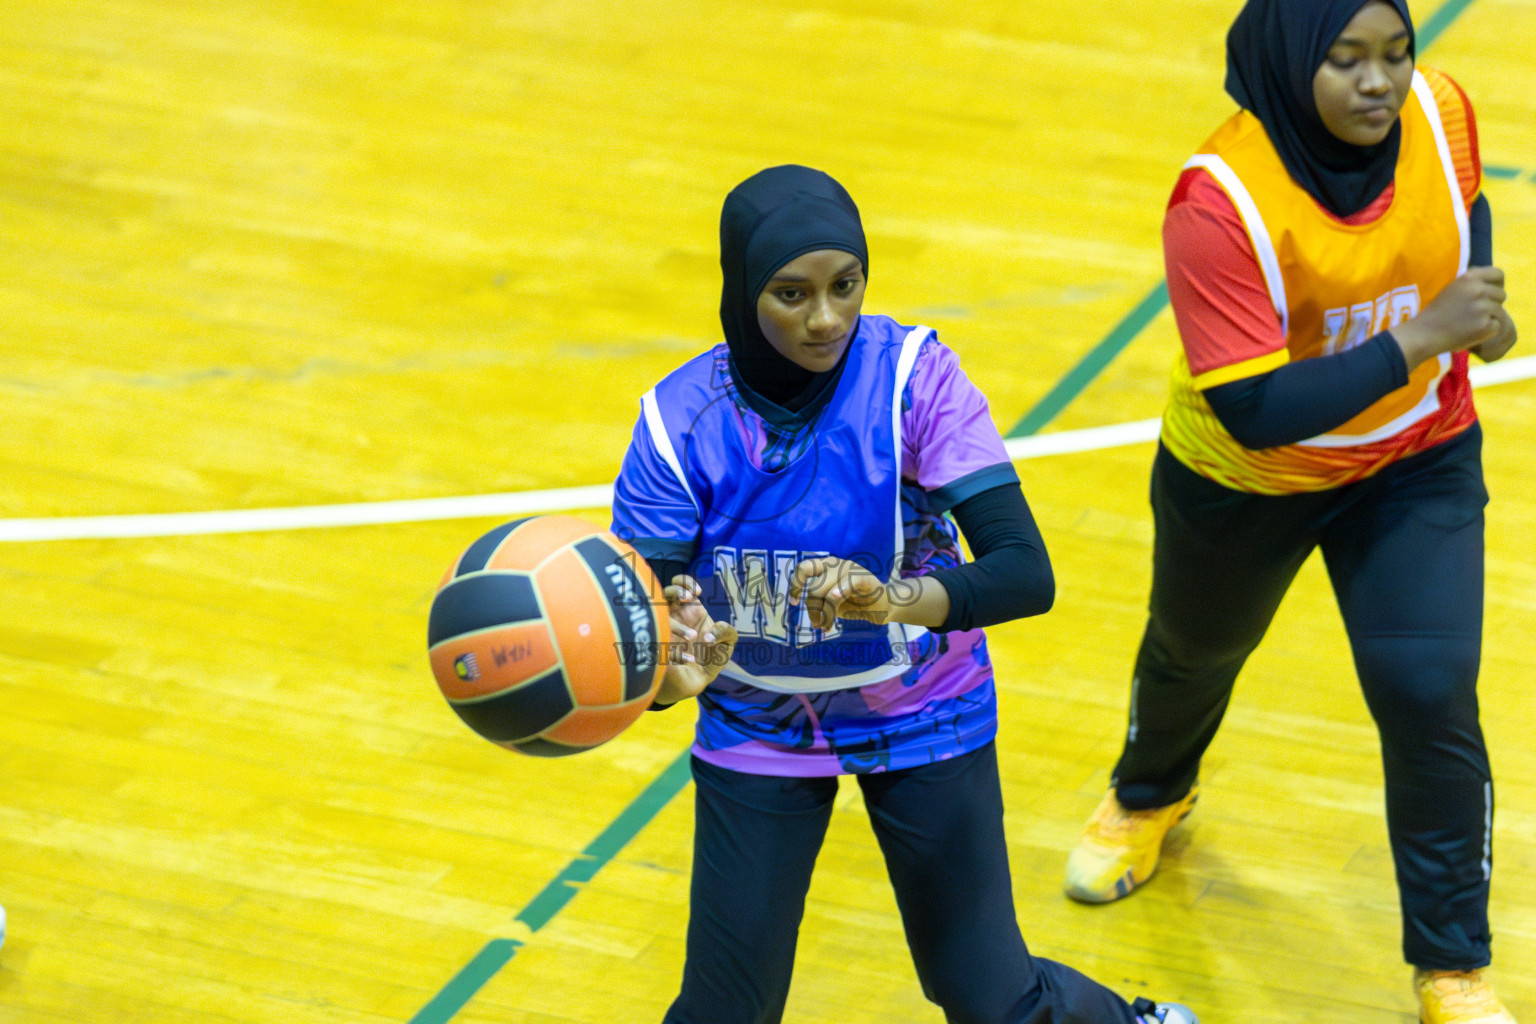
(294, 253)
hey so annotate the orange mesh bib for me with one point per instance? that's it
(1333, 286)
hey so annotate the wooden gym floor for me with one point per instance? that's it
(296, 253)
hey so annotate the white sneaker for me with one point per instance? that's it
(1148, 1012)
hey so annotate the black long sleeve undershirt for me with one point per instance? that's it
(1480, 221)
(1010, 575)
(1310, 397)
(1303, 399)
(665, 569)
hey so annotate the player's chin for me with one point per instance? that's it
(821, 357)
(1369, 131)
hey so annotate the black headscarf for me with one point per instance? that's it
(768, 220)
(1273, 52)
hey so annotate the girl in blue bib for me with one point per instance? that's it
(799, 487)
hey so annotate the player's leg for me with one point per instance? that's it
(940, 828)
(1407, 566)
(1222, 560)
(755, 842)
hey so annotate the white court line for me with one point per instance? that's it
(1086, 440)
(564, 499)
(1502, 372)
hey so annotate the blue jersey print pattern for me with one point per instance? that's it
(898, 724)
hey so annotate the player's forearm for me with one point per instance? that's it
(1011, 576)
(1310, 397)
(918, 601)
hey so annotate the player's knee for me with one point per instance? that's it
(1181, 655)
(1419, 683)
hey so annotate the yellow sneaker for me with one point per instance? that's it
(1119, 848)
(1458, 997)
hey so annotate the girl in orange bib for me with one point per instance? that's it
(1328, 256)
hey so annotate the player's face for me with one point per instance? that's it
(1364, 82)
(809, 308)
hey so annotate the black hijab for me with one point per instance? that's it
(1273, 51)
(768, 220)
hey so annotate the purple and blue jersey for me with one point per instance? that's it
(904, 437)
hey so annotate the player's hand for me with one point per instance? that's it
(1463, 316)
(1499, 344)
(835, 588)
(700, 646)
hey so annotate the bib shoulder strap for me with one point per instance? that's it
(1460, 127)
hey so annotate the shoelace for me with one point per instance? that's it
(1122, 823)
(1463, 993)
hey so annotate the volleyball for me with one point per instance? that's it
(546, 635)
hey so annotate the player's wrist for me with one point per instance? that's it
(1418, 341)
(674, 688)
(918, 601)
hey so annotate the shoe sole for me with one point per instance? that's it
(1124, 886)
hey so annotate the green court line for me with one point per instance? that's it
(1101, 355)
(1438, 22)
(1093, 364)
(451, 999)
(554, 896)
(1501, 173)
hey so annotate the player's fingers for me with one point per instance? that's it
(865, 588)
(817, 606)
(712, 656)
(1488, 292)
(828, 612)
(797, 581)
(1510, 330)
(680, 650)
(697, 616)
(1490, 330)
(687, 610)
(684, 582)
(810, 576)
(725, 635)
(810, 570)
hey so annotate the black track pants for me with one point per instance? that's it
(940, 828)
(1404, 551)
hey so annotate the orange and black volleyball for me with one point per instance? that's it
(546, 635)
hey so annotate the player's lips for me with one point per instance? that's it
(1377, 114)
